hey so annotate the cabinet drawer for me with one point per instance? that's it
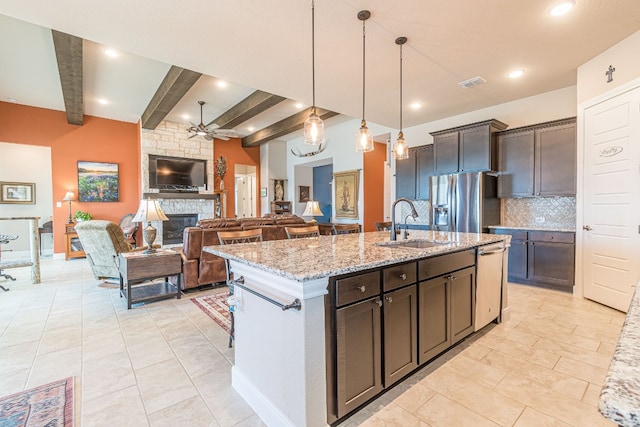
(515, 234)
(551, 236)
(352, 289)
(437, 266)
(398, 276)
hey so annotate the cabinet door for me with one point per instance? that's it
(424, 171)
(463, 303)
(516, 164)
(445, 153)
(476, 149)
(358, 351)
(400, 333)
(556, 161)
(518, 260)
(433, 318)
(406, 176)
(552, 263)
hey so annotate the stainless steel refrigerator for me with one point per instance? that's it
(465, 202)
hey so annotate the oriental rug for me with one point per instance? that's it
(217, 308)
(46, 405)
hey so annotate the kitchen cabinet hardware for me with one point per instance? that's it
(362, 288)
(403, 276)
(588, 228)
(389, 299)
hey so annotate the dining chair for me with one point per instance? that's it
(346, 228)
(300, 232)
(383, 226)
(230, 238)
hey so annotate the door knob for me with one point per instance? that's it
(587, 227)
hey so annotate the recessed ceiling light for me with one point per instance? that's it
(299, 105)
(562, 7)
(221, 83)
(111, 53)
(416, 105)
(186, 116)
(516, 74)
(103, 101)
(251, 128)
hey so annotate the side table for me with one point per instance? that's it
(138, 266)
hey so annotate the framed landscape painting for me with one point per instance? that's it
(345, 186)
(18, 193)
(97, 182)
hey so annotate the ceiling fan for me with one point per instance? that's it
(211, 131)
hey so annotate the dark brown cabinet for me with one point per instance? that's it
(541, 258)
(463, 302)
(470, 148)
(434, 318)
(412, 174)
(400, 333)
(538, 160)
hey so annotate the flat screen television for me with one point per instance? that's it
(177, 174)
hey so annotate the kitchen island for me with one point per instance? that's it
(281, 360)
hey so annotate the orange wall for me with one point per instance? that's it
(373, 177)
(99, 140)
(233, 152)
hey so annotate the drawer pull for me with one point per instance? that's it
(362, 288)
(452, 277)
(403, 276)
(378, 302)
(389, 299)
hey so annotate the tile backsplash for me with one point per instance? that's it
(424, 210)
(539, 211)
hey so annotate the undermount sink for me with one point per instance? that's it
(417, 244)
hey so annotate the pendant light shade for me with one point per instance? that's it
(400, 148)
(364, 139)
(313, 126)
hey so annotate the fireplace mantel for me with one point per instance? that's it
(193, 196)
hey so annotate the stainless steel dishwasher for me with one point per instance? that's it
(488, 283)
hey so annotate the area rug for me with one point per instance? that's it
(217, 308)
(46, 405)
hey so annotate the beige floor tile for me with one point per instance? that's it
(120, 408)
(580, 370)
(443, 412)
(572, 352)
(481, 373)
(252, 421)
(603, 332)
(61, 338)
(56, 365)
(16, 357)
(532, 418)
(148, 351)
(477, 351)
(519, 351)
(607, 348)
(13, 381)
(105, 375)
(164, 384)
(592, 395)
(416, 396)
(394, 416)
(192, 412)
(517, 334)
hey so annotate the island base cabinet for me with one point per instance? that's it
(400, 334)
(462, 284)
(433, 318)
(358, 351)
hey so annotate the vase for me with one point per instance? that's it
(221, 185)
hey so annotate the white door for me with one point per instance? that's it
(611, 209)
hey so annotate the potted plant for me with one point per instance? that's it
(82, 216)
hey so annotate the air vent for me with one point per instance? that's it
(474, 81)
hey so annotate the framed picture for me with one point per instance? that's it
(263, 191)
(278, 190)
(303, 193)
(345, 187)
(22, 193)
(97, 182)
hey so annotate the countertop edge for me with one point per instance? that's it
(533, 228)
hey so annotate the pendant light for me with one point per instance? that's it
(313, 126)
(400, 149)
(364, 139)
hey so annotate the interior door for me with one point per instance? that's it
(611, 209)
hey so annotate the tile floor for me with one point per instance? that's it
(167, 363)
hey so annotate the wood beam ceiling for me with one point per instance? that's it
(174, 86)
(69, 57)
(284, 127)
(246, 109)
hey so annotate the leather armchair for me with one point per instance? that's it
(102, 241)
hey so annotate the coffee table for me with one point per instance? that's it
(136, 267)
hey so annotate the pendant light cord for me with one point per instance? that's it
(363, 67)
(400, 88)
(313, 54)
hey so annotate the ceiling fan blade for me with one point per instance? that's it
(192, 136)
(222, 137)
(208, 137)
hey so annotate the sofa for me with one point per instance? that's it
(201, 268)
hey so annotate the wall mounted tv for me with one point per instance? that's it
(177, 174)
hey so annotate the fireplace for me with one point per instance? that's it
(172, 230)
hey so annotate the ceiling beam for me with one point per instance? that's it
(69, 57)
(246, 109)
(284, 127)
(174, 86)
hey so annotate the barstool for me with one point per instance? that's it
(4, 239)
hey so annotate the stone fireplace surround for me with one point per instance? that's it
(170, 139)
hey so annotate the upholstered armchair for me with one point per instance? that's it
(102, 242)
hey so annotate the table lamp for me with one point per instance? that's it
(312, 209)
(69, 197)
(149, 210)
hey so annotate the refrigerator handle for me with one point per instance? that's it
(453, 203)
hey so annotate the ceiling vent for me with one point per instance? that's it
(474, 81)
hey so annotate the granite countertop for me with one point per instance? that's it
(620, 395)
(538, 228)
(313, 258)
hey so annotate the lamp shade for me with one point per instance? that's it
(69, 196)
(149, 210)
(312, 209)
